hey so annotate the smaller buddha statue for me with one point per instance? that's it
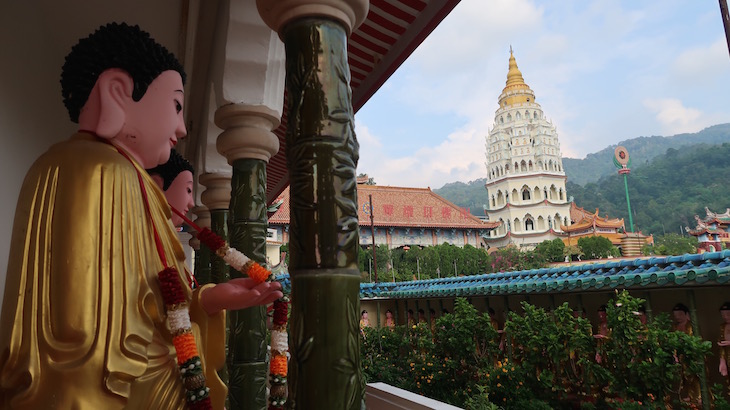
(724, 342)
(410, 321)
(389, 320)
(432, 320)
(602, 332)
(421, 316)
(680, 317)
(689, 389)
(364, 321)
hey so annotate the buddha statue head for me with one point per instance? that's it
(175, 178)
(123, 86)
(602, 317)
(680, 315)
(725, 312)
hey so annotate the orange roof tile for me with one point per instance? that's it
(583, 219)
(398, 206)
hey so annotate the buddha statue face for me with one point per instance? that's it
(180, 195)
(389, 314)
(153, 125)
(725, 314)
(680, 317)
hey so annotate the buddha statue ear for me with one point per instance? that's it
(105, 110)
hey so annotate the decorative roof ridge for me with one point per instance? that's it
(714, 215)
(698, 269)
(392, 187)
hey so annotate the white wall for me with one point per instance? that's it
(30, 101)
(35, 36)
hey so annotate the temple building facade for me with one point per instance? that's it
(402, 217)
(525, 177)
(711, 232)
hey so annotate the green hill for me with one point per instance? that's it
(472, 195)
(666, 193)
(642, 151)
(599, 167)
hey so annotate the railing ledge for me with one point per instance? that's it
(381, 396)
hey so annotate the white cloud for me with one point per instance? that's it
(602, 72)
(701, 65)
(674, 117)
(459, 157)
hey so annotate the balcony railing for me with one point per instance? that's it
(381, 396)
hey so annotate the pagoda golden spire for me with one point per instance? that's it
(514, 75)
(515, 91)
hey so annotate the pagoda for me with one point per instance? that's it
(711, 232)
(525, 177)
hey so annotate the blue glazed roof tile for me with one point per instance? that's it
(672, 271)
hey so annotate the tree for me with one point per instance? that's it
(675, 244)
(370, 181)
(597, 247)
(551, 250)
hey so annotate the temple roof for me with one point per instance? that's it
(583, 219)
(690, 270)
(402, 207)
(712, 224)
(722, 219)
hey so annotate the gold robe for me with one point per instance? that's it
(83, 323)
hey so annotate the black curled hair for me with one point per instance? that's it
(680, 306)
(171, 169)
(115, 45)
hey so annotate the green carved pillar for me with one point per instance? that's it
(247, 142)
(216, 198)
(247, 342)
(219, 225)
(322, 154)
(201, 269)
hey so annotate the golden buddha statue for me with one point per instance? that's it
(690, 384)
(724, 342)
(84, 324)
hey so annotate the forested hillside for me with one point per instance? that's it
(472, 195)
(665, 193)
(642, 151)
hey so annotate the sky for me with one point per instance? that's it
(603, 71)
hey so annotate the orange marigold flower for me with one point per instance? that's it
(185, 347)
(258, 273)
(279, 365)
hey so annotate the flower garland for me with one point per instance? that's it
(178, 315)
(279, 348)
(188, 359)
(278, 368)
